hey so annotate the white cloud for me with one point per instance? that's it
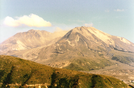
(89, 25)
(119, 10)
(10, 22)
(31, 20)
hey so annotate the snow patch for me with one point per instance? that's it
(57, 44)
(70, 43)
(77, 38)
(103, 36)
(124, 40)
(21, 46)
(86, 44)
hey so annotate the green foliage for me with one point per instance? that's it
(1, 74)
(84, 64)
(15, 70)
(123, 57)
(74, 66)
(23, 71)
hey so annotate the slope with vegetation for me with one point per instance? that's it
(20, 73)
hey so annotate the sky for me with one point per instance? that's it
(115, 17)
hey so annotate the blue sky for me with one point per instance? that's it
(115, 17)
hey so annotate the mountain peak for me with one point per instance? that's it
(93, 36)
(34, 30)
(89, 32)
(84, 30)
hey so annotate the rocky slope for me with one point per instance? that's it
(86, 48)
(26, 44)
(25, 40)
(30, 39)
(19, 73)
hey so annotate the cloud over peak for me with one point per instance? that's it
(32, 20)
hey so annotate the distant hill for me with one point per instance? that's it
(16, 72)
(30, 39)
(27, 44)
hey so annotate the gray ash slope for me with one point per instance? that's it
(27, 44)
(86, 48)
(27, 40)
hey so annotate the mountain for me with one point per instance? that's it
(23, 43)
(82, 48)
(30, 39)
(86, 48)
(19, 73)
(25, 40)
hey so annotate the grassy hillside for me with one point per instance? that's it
(123, 57)
(87, 64)
(15, 72)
